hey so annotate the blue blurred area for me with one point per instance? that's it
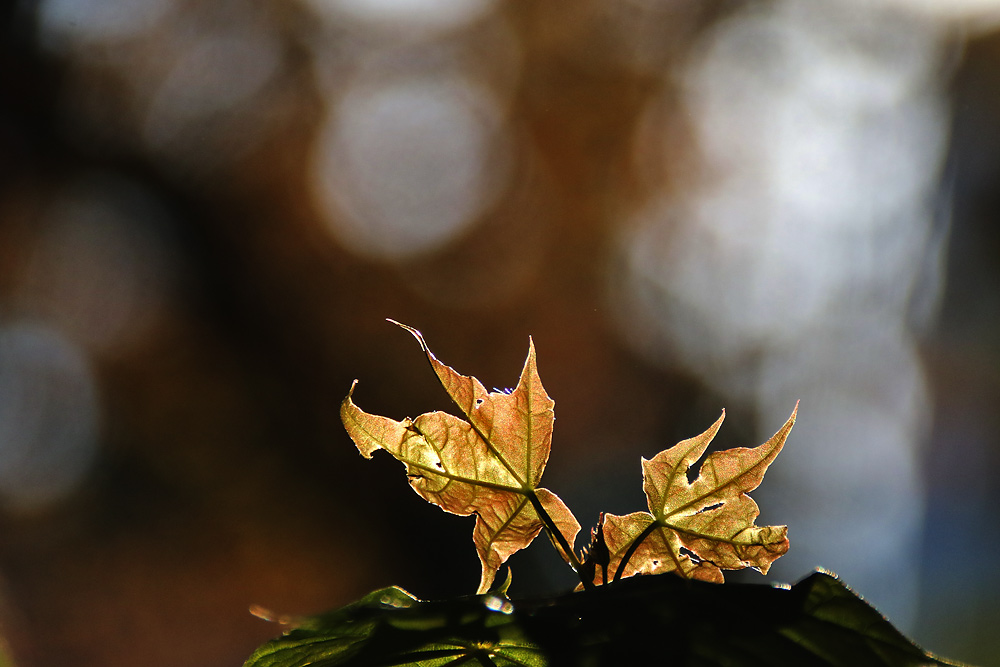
(207, 210)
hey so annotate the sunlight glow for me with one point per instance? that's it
(404, 166)
(426, 16)
(213, 73)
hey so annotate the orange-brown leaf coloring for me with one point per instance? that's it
(697, 529)
(489, 464)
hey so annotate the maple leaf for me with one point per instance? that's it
(697, 529)
(489, 464)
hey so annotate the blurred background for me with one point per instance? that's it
(207, 209)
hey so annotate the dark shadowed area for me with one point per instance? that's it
(208, 209)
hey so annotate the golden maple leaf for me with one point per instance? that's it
(489, 464)
(696, 529)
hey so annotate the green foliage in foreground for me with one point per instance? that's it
(651, 620)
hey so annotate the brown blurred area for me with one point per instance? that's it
(207, 211)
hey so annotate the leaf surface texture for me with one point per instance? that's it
(697, 529)
(488, 464)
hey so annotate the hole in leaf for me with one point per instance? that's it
(479, 402)
(684, 551)
(709, 508)
(691, 475)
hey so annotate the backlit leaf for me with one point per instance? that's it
(489, 464)
(697, 529)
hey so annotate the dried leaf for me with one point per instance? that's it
(489, 464)
(697, 529)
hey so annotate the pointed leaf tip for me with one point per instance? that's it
(414, 332)
(699, 528)
(488, 464)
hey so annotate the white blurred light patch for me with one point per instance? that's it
(48, 418)
(789, 270)
(101, 268)
(66, 23)
(424, 17)
(404, 165)
(974, 14)
(213, 72)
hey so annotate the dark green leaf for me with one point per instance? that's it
(390, 627)
(646, 620)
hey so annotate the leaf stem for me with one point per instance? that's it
(559, 538)
(632, 548)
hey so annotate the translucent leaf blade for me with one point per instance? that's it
(697, 529)
(658, 552)
(489, 466)
(518, 425)
(666, 473)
